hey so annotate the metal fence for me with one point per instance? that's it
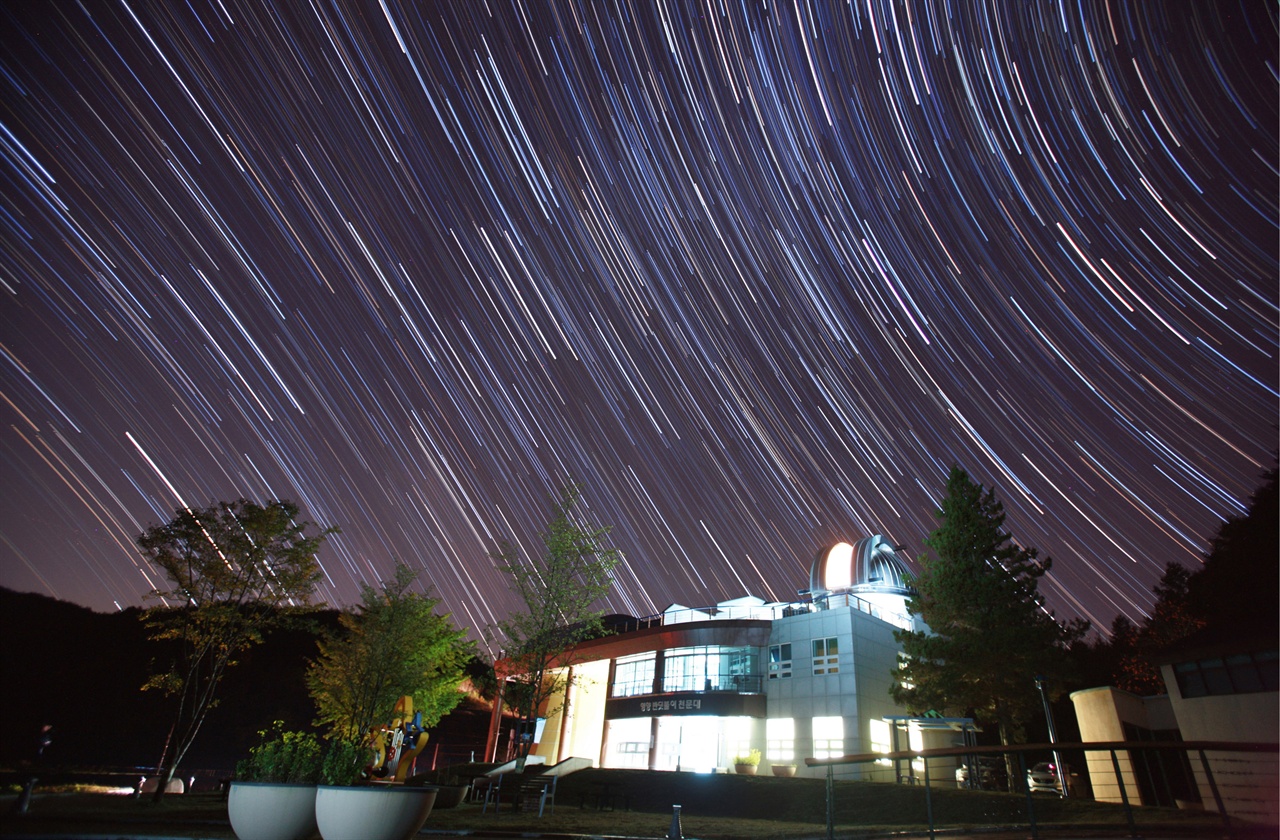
(1236, 780)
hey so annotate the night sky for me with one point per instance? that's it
(755, 274)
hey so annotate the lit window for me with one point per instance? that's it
(738, 736)
(881, 739)
(779, 662)
(826, 658)
(780, 739)
(828, 737)
(633, 675)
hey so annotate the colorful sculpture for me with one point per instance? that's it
(397, 745)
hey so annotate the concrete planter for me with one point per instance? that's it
(268, 811)
(451, 796)
(745, 769)
(380, 812)
(786, 770)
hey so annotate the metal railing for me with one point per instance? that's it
(1234, 776)
(773, 612)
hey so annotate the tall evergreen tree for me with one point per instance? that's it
(991, 636)
(560, 589)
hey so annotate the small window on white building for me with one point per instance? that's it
(780, 739)
(737, 736)
(828, 737)
(881, 739)
(779, 662)
(826, 656)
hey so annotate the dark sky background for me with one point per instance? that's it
(756, 274)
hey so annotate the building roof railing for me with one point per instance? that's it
(762, 611)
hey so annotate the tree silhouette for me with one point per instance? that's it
(238, 570)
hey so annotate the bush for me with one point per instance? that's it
(344, 762)
(282, 757)
(752, 758)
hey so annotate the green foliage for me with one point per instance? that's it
(752, 758)
(559, 589)
(344, 762)
(282, 757)
(991, 635)
(237, 571)
(393, 645)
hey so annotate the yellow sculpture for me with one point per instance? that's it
(397, 745)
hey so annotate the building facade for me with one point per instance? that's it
(691, 689)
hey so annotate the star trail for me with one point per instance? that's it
(756, 274)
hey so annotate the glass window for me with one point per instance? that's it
(826, 659)
(828, 737)
(881, 739)
(633, 675)
(779, 662)
(1269, 669)
(1244, 673)
(780, 739)
(1215, 677)
(1190, 682)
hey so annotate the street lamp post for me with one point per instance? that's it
(1053, 737)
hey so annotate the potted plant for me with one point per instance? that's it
(350, 806)
(747, 763)
(273, 796)
(784, 770)
(393, 655)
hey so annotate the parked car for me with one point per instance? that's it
(990, 775)
(1044, 778)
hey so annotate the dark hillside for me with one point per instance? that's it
(81, 671)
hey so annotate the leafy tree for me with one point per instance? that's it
(991, 635)
(559, 589)
(394, 644)
(1172, 619)
(238, 570)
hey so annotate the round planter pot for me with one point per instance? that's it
(266, 811)
(451, 796)
(745, 769)
(784, 770)
(384, 812)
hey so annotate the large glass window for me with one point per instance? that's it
(710, 668)
(828, 737)
(633, 675)
(779, 662)
(1242, 673)
(826, 656)
(780, 739)
(628, 741)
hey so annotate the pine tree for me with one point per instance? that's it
(991, 636)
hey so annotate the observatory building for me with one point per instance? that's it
(691, 688)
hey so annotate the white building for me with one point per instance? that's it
(690, 689)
